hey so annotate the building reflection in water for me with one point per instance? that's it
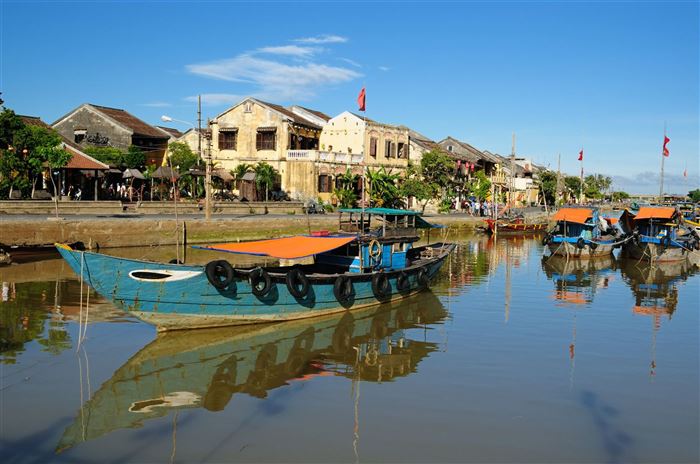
(655, 289)
(205, 368)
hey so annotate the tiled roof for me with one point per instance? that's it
(170, 130)
(79, 160)
(317, 113)
(293, 117)
(128, 120)
(82, 161)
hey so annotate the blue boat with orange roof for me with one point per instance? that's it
(371, 260)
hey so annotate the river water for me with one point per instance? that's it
(508, 358)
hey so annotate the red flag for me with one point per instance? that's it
(665, 150)
(361, 99)
(580, 155)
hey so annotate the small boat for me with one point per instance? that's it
(658, 233)
(516, 225)
(371, 260)
(582, 232)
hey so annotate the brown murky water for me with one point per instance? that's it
(507, 359)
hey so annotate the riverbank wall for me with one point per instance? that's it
(145, 231)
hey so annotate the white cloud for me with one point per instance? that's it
(648, 182)
(384, 68)
(157, 104)
(274, 79)
(322, 39)
(290, 50)
(351, 62)
(215, 99)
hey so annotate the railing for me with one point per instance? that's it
(302, 155)
(327, 156)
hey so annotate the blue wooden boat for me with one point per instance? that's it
(372, 260)
(581, 232)
(659, 234)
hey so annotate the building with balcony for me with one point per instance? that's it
(253, 131)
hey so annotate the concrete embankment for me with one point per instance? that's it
(145, 231)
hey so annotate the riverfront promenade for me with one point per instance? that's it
(123, 230)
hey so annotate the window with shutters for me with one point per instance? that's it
(228, 140)
(324, 183)
(373, 146)
(265, 140)
(402, 150)
(387, 149)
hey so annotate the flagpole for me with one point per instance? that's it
(661, 180)
(580, 197)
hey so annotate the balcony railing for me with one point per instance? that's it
(327, 156)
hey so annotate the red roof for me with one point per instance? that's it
(650, 212)
(82, 161)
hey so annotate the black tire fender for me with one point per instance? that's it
(258, 276)
(580, 243)
(342, 288)
(593, 245)
(297, 283)
(380, 285)
(402, 282)
(219, 273)
(423, 278)
(547, 238)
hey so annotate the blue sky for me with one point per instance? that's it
(561, 75)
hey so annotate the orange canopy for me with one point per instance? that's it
(299, 246)
(577, 215)
(648, 212)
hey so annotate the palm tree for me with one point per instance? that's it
(265, 176)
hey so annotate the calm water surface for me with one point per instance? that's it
(508, 359)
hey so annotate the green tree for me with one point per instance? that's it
(572, 185)
(265, 177)
(383, 188)
(241, 170)
(548, 185)
(414, 186)
(480, 185)
(182, 156)
(108, 155)
(134, 158)
(437, 171)
(694, 195)
(346, 193)
(619, 196)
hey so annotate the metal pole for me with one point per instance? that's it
(207, 161)
(661, 183)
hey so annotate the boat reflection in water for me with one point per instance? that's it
(655, 285)
(576, 284)
(204, 368)
(655, 288)
(576, 281)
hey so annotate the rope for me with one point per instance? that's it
(80, 314)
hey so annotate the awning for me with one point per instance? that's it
(577, 215)
(647, 212)
(267, 129)
(299, 246)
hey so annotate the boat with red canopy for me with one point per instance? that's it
(371, 260)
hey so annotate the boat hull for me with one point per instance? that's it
(571, 250)
(188, 300)
(514, 227)
(656, 252)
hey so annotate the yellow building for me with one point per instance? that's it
(308, 148)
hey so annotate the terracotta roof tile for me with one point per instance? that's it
(132, 122)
